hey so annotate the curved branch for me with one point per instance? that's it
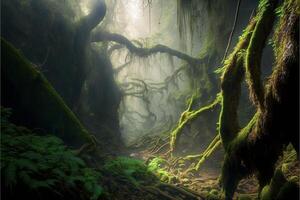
(100, 36)
(231, 81)
(254, 54)
(89, 22)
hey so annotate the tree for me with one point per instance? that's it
(255, 148)
(28, 92)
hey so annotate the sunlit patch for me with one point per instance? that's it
(84, 7)
(135, 10)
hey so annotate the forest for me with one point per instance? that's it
(150, 99)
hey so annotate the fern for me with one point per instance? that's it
(43, 162)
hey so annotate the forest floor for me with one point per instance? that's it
(205, 181)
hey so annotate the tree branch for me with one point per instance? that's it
(262, 30)
(89, 22)
(188, 116)
(100, 36)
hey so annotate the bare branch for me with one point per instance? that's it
(233, 29)
(100, 36)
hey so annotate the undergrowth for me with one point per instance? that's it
(42, 167)
(131, 170)
(158, 167)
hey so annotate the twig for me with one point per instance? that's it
(232, 30)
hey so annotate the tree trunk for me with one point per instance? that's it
(35, 102)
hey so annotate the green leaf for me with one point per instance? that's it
(98, 190)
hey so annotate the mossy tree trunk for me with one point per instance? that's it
(256, 147)
(35, 102)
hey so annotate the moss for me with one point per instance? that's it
(157, 166)
(132, 170)
(280, 189)
(232, 76)
(256, 147)
(187, 117)
(235, 141)
(231, 87)
(241, 138)
(265, 19)
(28, 92)
(213, 195)
(265, 193)
(209, 150)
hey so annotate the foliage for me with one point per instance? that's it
(157, 167)
(42, 163)
(280, 188)
(132, 170)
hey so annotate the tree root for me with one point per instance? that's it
(160, 148)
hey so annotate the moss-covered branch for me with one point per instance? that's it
(265, 19)
(101, 36)
(257, 147)
(215, 143)
(35, 101)
(233, 73)
(210, 149)
(188, 116)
